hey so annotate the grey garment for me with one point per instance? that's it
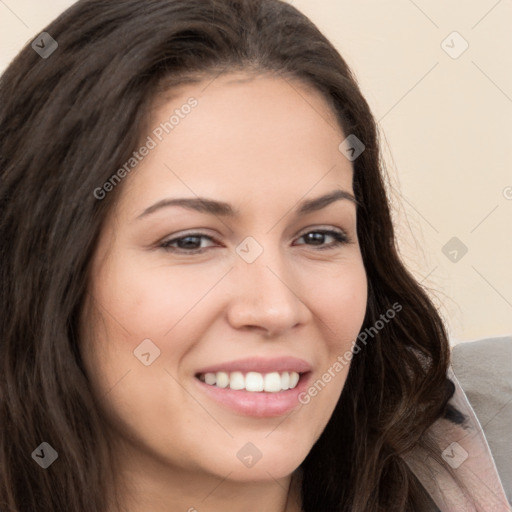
(484, 370)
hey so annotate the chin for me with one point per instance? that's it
(251, 464)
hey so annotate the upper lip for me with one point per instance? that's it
(260, 365)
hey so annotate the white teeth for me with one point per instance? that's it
(272, 382)
(236, 380)
(222, 380)
(294, 379)
(210, 378)
(285, 380)
(253, 381)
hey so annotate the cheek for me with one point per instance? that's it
(150, 301)
(338, 299)
(339, 302)
(134, 303)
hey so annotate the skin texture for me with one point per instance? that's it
(261, 144)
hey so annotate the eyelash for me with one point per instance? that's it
(339, 236)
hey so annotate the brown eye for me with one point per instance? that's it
(317, 238)
(188, 244)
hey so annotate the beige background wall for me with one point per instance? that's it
(445, 120)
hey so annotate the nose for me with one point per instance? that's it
(266, 296)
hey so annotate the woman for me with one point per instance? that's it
(272, 369)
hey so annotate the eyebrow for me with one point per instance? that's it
(205, 205)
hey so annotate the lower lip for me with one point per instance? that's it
(257, 404)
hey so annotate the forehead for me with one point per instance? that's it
(246, 137)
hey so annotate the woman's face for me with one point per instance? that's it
(254, 296)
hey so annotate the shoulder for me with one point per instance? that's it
(484, 370)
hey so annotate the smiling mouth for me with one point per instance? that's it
(273, 382)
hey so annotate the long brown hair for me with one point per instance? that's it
(67, 123)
